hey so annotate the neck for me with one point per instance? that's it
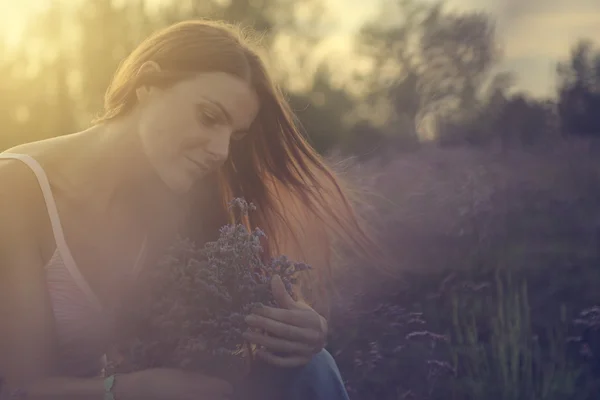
(123, 176)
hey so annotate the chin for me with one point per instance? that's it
(181, 178)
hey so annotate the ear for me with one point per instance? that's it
(149, 67)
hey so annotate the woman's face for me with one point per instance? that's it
(186, 128)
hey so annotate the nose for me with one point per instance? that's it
(219, 148)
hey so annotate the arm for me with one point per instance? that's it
(27, 339)
(27, 332)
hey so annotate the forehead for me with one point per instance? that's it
(233, 93)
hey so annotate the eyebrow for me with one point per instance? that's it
(225, 112)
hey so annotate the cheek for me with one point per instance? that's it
(166, 130)
(191, 136)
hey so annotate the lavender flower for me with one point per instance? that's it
(188, 310)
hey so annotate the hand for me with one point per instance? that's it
(170, 384)
(294, 329)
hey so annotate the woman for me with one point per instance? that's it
(191, 120)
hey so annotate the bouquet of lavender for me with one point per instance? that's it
(188, 310)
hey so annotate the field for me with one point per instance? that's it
(498, 255)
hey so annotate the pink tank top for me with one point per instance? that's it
(83, 327)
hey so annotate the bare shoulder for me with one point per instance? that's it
(21, 224)
(21, 199)
(26, 345)
(19, 186)
(24, 224)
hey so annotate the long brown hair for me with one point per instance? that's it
(301, 204)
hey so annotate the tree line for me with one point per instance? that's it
(429, 74)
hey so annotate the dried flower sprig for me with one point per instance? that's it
(187, 311)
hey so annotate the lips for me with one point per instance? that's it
(207, 164)
(197, 163)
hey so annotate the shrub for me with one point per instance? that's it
(452, 219)
(497, 354)
(386, 352)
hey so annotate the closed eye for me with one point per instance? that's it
(207, 117)
(219, 115)
(239, 135)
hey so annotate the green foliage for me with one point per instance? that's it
(499, 356)
(499, 252)
(579, 90)
(421, 72)
(466, 212)
(54, 81)
(428, 62)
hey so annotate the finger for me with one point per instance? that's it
(279, 345)
(298, 318)
(282, 297)
(282, 330)
(286, 362)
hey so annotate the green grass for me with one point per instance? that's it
(497, 354)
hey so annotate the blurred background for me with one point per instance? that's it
(367, 78)
(475, 124)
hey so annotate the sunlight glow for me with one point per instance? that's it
(14, 16)
(534, 35)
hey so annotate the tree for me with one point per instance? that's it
(579, 90)
(457, 54)
(427, 62)
(321, 110)
(391, 84)
(36, 85)
(54, 82)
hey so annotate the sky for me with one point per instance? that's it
(534, 34)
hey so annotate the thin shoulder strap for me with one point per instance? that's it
(57, 230)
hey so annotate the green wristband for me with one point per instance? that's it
(109, 383)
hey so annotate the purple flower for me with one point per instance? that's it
(188, 310)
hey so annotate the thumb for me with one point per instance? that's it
(282, 297)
